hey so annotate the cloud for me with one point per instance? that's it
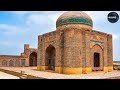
(22, 13)
(12, 38)
(44, 21)
(10, 35)
(35, 23)
(38, 19)
(97, 16)
(11, 29)
(54, 18)
(11, 47)
(116, 36)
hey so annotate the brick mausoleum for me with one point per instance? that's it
(27, 58)
(74, 47)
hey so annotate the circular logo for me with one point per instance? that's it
(113, 17)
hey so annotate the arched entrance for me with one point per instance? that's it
(4, 63)
(50, 57)
(17, 63)
(33, 59)
(11, 63)
(97, 58)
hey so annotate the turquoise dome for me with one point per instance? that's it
(74, 17)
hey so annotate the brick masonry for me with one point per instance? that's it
(75, 47)
(16, 61)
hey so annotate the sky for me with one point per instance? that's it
(23, 27)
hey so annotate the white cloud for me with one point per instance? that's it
(37, 19)
(54, 18)
(46, 20)
(22, 13)
(116, 36)
(11, 29)
(6, 43)
(98, 16)
(39, 22)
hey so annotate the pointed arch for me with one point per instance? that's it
(97, 45)
(4, 63)
(33, 59)
(17, 63)
(11, 63)
(50, 55)
(97, 57)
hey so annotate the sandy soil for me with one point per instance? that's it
(7, 76)
(50, 75)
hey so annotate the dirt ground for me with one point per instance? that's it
(51, 75)
(7, 76)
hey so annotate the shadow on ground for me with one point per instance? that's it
(20, 74)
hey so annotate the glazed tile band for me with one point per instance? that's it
(74, 20)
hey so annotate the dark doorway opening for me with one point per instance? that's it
(33, 59)
(50, 57)
(4, 63)
(96, 59)
(11, 63)
(17, 63)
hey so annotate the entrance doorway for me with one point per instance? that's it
(17, 63)
(33, 59)
(50, 57)
(4, 63)
(96, 59)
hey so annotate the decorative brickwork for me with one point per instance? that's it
(78, 48)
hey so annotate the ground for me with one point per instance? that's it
(7, 76)
(50, 75)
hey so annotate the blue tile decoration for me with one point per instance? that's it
(74, 20)
(97, 41)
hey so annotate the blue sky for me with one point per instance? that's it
(23, 27)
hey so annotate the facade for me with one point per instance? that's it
(27, 58)
(74, 47)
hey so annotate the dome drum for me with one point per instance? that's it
(74, 18)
